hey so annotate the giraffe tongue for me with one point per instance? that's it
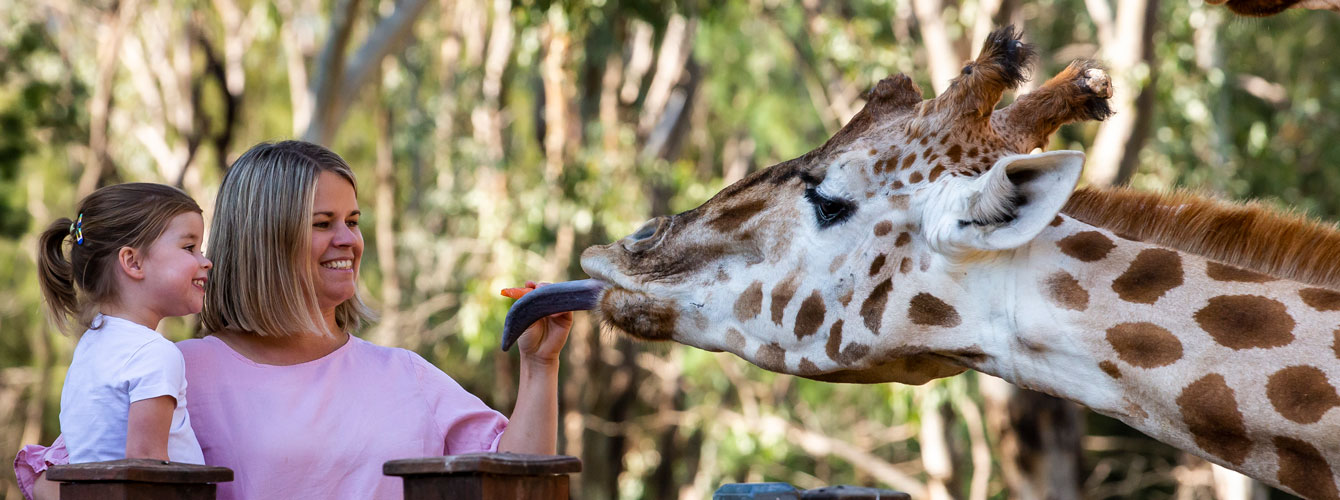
(580, 295)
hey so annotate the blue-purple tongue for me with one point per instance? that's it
(580, 295)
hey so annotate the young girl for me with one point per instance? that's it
(133, 259)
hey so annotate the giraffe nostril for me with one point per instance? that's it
(645, 237)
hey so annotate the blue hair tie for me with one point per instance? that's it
(77, 229)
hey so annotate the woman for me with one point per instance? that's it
(281, 392)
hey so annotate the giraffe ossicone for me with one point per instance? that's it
(924, 240)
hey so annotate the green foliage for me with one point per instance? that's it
(1243, 108)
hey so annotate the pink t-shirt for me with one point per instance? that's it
(323, 429)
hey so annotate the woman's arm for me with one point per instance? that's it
(147, 427)
(533, 427)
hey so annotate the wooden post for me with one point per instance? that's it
(479, 476)
(138, 478)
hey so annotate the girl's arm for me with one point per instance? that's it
(533, 427)
(147, 427)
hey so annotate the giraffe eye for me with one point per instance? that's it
(828, 211)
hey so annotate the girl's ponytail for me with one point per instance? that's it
(56, 274)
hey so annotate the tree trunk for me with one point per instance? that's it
(387, 332)
(1127, 46)
(1039, 441)
(337, 82)
(100, 103)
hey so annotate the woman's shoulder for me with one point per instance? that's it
(390, 355)
(191, 347)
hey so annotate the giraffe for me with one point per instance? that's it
(925, 239)
(1265, 8)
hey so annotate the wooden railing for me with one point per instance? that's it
(478, 476)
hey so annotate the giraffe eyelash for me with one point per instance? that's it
(828, 211)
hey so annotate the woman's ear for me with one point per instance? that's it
(1007, 206)
(130, 261)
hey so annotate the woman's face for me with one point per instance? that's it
(337, 243)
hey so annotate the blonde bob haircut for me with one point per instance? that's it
(260, 241)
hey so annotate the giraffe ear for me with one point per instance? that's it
(1010, 204)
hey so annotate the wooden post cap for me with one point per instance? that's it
(507, 464)
(143, 470)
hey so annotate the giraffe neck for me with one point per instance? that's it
(1235, 366)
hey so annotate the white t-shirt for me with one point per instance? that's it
(118, 362)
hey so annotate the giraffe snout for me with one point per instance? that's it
(647, 236)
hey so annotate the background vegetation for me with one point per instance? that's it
(495, 139)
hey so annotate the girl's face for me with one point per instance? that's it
(175, 270)
(337, 243)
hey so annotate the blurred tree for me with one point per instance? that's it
(498, 139)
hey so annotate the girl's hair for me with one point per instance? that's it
(260, 242)
(123, 215)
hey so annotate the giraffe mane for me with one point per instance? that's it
(1249, 235)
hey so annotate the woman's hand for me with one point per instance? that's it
(543, 341)
(534, 423)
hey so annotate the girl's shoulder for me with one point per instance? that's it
(117, 341)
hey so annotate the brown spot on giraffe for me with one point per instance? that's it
(926, 309)
(935, 172)
(1087, 246)
(734, 340)
(925, 140)
(750, 303)
(872, 310)
(1336, 345)
(897, 184)
(733, 217)
(914, 178)
(1057, 221)
(1246, 321)
(909, 160)
(905, 265)
(833, 347)
(1153, 273)
(883, 227)
(876, 265)
(1304, 470)
(846, 297)
(810, 316)
(807, 367)
(1145, 345)
(1135, 410)
(1221, 272)
(1321, 299)
(781, 296)
(955, 153)
(903, 239)
(1301, 393)
(1065, 291)
(1212, 416)
(837, 263)
(1109, 368)
(770, 357)
(873, 151)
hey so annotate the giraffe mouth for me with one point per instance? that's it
(580, 295)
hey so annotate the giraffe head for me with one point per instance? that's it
(1266, 8)
(797, 267)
